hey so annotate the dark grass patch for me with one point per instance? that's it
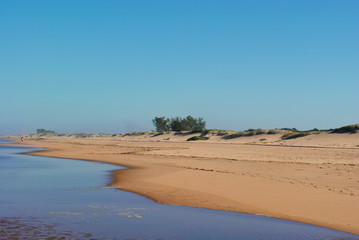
(158, 134)
(347, 129)
(293, 135)
(272, 131)
(196, 138)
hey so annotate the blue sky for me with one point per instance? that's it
(112, 66)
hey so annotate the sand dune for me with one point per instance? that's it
(313, 179)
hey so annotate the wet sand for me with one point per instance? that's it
(312, 184)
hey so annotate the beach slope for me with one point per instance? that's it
(312, 179)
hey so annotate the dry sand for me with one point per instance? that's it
(314, 179)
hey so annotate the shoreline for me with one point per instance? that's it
(165, 173)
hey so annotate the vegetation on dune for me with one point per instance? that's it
(189, 125)
(196, 138)
(235, 135)
(273, 131)
(247, 133)
(297, 133)
(83, 135)
(178, 124)
(347, 129)
(292, 135)
(218, 132)
(45, 132)
(131, 134)
(288, 133)
(290, 129)
(135, 134)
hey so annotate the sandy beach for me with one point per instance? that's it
(313, 179)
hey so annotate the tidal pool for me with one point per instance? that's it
(52, 198)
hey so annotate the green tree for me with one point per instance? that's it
(161, 124)
(177, 124)
(200, 125)
(189, 123)
(44, 131)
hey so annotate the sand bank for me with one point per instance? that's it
(316, 184)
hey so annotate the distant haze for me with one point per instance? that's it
(112, 66)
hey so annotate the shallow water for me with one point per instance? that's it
(44, 197)
(6, 141)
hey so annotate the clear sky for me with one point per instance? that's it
(112, 66)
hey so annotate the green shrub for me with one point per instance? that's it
(236, 135)
(135, 134)
(347, 129)
(247, 133)
(196, 138)
(290, 129)
(82, 135)
(218, 132)
(272, 131)
(259, 132)
(292, 135)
